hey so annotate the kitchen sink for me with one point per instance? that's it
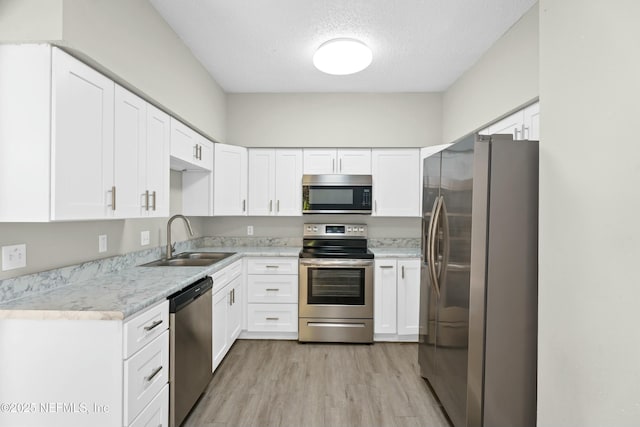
(190, 259)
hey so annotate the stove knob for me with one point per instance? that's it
(361, 229)
(315, 228)
(349, 229)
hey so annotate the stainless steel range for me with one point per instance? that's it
(336, 284)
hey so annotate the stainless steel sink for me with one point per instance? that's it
(190, 259)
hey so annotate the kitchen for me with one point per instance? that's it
(573, 367)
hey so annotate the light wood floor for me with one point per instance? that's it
(284, 383)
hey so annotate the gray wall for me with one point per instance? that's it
(334, 119)
(53, 245)
(504, 79)
(30, 20)
(589, 345)
(292, 226)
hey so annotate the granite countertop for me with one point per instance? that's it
(396, 252)
(118, 295)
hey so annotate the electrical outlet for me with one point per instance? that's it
(13, 257)
(144, 237)
(102, 243)
(249, 230)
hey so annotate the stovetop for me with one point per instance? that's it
(343, 241)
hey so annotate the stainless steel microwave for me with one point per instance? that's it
(336, 194)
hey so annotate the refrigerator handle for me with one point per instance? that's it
(446, 244)
(433, 237)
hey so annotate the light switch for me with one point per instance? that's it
(249, 230)
(102, 243)
(13, 257)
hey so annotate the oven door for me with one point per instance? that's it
(336, 288)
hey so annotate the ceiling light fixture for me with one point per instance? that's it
(342, 56)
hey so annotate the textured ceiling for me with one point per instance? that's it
(268, 45)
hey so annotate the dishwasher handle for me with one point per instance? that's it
(186, 296)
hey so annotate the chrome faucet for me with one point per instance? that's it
(171, 247)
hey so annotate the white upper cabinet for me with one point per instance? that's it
(275, 182)
(189, 149)
(354, 161)
(76, 146)
(82, 167)
(157, 162)
(130, 144)
(230, 180)
(396, 182)
(523, 124)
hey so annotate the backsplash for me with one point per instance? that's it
(20, 286)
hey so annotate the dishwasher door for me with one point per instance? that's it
(190, 345)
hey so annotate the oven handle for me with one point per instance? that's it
(332, 262)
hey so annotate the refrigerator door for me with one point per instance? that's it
(428, 296)
(454, 260)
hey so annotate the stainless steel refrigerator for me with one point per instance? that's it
(478, 295)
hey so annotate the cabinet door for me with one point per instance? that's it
(130, 141)
(82, 141)
(230, 180)
(509, 125)
(157, 156)
(235, 309)
(319, 161)
(356, 161)
(288, 182)
(261, 182)
(186, 153)
(531, 128)
(384, 314)
(220, 315)
(396, 182)
(408, 296)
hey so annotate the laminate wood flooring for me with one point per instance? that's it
(288, 384)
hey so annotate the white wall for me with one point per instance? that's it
(30, 20)
(132, 40)
(589, 287)
(504, 79)
(334, 119)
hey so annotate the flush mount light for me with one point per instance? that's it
(342, 56)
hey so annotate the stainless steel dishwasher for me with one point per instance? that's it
(190, 347)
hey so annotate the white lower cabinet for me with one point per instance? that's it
(396, 299)
(99, 373)
(272, 298)
(227, 310)
(156, 414)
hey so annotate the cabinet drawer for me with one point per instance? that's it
(223, 277)
(145, 374)
(276, 288)
(156, 413)
(273, 317)
(275, 265)
(144, 328)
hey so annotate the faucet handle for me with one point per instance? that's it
(173, 247)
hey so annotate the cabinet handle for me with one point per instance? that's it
(333, 165)
(402, 275)
(153, 325)
(272, 318)
(375, 206)
(272, 289)
(154, 200)
(200, 149)
(277, 205)
(525, 129)
(386, 266)
(270, 205)
(146, 200)
(195, 148)
(153, 374)
(113, 198)
(233, 295)
(272, 266)
(244, 205)
(340, 165)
